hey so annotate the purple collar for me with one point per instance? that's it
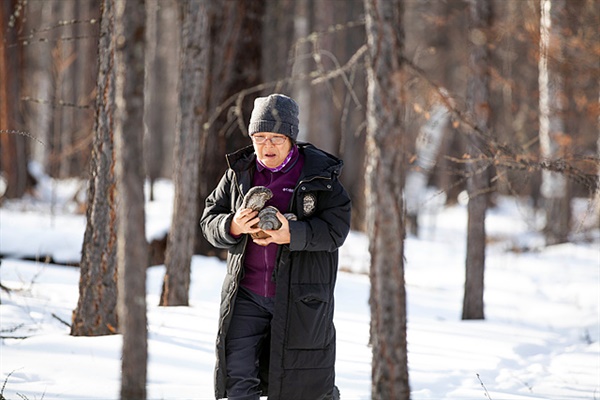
(291, 155)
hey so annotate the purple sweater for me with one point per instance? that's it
(259, 261)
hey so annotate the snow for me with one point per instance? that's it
(540, 338)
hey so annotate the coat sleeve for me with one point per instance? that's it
(328, 228)
(218, 214)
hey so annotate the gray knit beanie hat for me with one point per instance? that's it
(276, 113)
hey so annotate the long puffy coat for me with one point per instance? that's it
(299, 364)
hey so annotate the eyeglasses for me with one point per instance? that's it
(275, 140)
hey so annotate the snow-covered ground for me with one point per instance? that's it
(540, 338)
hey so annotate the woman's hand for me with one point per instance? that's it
(244, 221)
(279, 236)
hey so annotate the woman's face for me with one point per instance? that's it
(269, 153)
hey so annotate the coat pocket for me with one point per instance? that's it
(310, 317)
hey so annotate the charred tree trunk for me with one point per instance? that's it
(96, 312)
(132, 250)
(192, 92)
(478, 103)
(385, 203)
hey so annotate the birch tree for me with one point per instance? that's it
(96, 312)
(385, 204)
(192, 98)
(132, 253)
(552, 100)
(428, 143)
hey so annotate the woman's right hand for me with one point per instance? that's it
(245, 220)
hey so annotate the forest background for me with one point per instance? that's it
(483, 97)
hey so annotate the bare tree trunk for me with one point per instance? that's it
(192, 92)
(322, 129)
(597, 195)
(278, 40)
(442, 54)
(478, 103)
(301, 65)
(12, 144)
(552, 120)
(96, 312)
(153, 136)
(235, 65)
(385, 203)
(428, 145)
(38, 84)
(84, 76)
(132, 250)
(66, 57)
(161, 81)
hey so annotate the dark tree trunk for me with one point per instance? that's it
(96, 312)
(132, 251)
(12, 143)
(322, 129)
(478, 103)
(235, 58)
(192, 93)
(38, 82)
(161, 87)
(84, 76)
(385, 203)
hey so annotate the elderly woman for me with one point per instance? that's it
(276, 335)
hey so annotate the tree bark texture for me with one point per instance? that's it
(278, 40)
(553, 137)
(132, 250)
(13, 164)
(478, 103)
(38, 84)
(160, 115)
(322, 128)
(85, 76)
(235, 59)
(65, 58)
(96, 312)
(427, 149)
(385, 204)
(194, 74)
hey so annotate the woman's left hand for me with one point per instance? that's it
(279, 236)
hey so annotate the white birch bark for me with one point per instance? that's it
(428, 145)
(554, 188)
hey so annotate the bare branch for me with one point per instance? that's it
(55, 103)
(22, 133)
(61, 320)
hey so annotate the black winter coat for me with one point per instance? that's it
(299, 364)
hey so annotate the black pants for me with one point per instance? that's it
(250, 326)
